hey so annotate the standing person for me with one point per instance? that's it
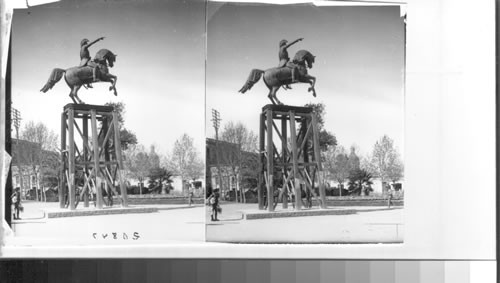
(16, 201)
(213, 200)
(190, 194)
(85, 54)
(284, 58)
(389, 197)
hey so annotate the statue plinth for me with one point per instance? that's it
(88, 107)
(92, 155)
(286, 108)
(290, 156)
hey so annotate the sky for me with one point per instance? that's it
(359, 66)
(160, 64)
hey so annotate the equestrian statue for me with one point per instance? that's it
(89, 71)
(286, 73)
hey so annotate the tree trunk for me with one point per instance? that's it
(244, 198)
(31, 186)
(39, 187)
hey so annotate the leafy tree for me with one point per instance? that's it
(186, 159)
(360, 182)
(319, 108)
(127, 137)
(157, 177)
(44, 160)
(326, 139)
(386, 161)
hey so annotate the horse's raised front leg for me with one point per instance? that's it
(112, 79)
(312, 81)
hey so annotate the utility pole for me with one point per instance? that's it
(216, 123)
(16, 120)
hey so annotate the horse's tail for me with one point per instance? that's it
(55, 76)
(253, 78)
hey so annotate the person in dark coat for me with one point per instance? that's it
(213, 200)
(16, 201)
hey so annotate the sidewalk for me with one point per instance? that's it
(170, 224)
(236, 211)
(360, 224)
(40, 210)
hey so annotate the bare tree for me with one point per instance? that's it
(386, 161)
(336, 163)
(238, 133)
(138, 163)
(395, 169)
(186, 159)
(44, 159)
(246, 140)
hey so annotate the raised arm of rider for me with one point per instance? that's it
(89, 44)
(293, 42)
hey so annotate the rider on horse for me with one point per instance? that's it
(283, 56)
(85, 54)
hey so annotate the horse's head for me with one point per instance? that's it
(310, 60)
(105, 56)
(303, 56)
(111, 59)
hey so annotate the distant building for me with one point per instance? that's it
(28, 164)
(229, 168)
(380, 187)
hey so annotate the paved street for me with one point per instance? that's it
(367, 225)
(181, 225)
(184, 225)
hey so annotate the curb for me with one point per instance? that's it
(266, 215)
(96, 212)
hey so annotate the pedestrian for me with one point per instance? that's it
(389, 197)
(190, 194)
(213, 201)
(16, 202)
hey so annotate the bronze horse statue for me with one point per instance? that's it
(275, 78)
(75, 77)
